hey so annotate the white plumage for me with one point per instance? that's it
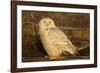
(54, 41)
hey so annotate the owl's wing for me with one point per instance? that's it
(59, 39)
(57, 35)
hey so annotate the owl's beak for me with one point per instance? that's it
(47, 24)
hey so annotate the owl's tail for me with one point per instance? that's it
(73, 52)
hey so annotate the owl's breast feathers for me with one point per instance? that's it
(56, 34)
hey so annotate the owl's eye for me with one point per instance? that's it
(49, 21)
(44, 21)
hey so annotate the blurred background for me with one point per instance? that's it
(74, 25)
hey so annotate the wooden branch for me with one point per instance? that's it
(35, 27)
(83, 47)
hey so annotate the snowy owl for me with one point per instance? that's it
(54, 41)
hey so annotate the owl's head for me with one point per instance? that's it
(46, 23)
